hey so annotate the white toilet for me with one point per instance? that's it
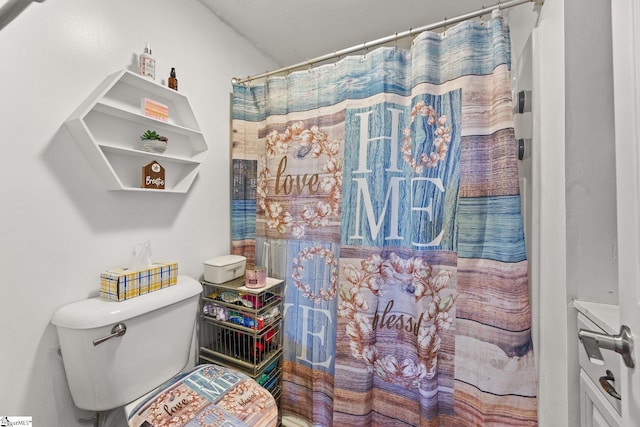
(123, 354)
(132, 354)
(107, 368)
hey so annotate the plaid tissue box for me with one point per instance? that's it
(122, 284)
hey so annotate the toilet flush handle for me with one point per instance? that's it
(117, 331)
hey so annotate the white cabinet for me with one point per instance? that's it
(594, 408)
(108, 124)
(597, 407)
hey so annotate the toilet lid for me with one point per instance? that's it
(207, 395)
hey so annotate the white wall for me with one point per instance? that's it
(592, 264)
(574, 211)
(542, 186)
(590, 170)
(59, 228)
(549, 251)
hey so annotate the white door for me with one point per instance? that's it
(626, 71)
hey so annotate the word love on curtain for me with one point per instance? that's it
(386, 186)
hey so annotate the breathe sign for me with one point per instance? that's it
(153, 176)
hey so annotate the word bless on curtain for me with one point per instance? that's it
(386, 188)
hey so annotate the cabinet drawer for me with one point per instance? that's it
(234, 296)
(594, 408)
(240, 344)
(612, 362)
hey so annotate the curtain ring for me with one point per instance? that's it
(444, 31)
(498, 10)
(482, 17)
(396, 40)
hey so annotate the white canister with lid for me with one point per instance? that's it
(224, 268)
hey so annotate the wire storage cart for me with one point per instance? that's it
(241, 327)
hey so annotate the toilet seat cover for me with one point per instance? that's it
(207, 395)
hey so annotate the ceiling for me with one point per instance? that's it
(293, 31)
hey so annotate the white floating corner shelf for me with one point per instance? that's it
(107, 128)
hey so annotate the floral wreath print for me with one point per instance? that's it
(190, 407)
(430, 288)
(307, 254)
(211, 417)
(235, 401)
(313, 141)
(442, 138)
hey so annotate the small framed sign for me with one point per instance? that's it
(153, 176)
(155, 110)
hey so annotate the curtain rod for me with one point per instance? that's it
(378, 42)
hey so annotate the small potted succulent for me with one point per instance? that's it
(153, 142)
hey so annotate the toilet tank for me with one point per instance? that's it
(155, 347)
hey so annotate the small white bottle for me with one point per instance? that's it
(147, 63)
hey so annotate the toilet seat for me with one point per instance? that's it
(129, 408)
(206, 395)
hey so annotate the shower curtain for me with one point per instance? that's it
(385, 187)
